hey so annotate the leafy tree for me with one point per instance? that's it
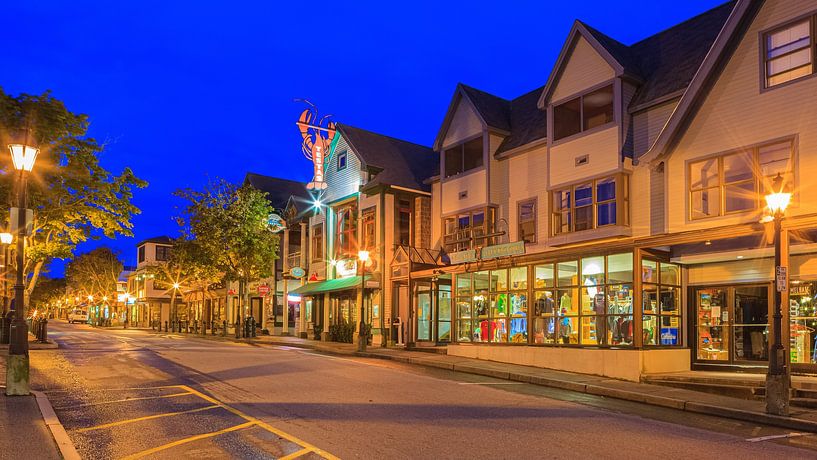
(229, 227)
(95, 272)
(73, 196)
(48, 291)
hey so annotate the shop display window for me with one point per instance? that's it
(543, 276)
(803, 327)
(661, 303)
(712, 317)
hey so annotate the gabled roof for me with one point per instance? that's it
(519, 120)
(663, 64)
(401, 163)
(278, 190)
(494, 110)
(739, 19)
(157, 240)
(528, 122)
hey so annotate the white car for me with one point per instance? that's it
(78, 316)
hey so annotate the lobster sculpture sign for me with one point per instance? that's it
(318, 142)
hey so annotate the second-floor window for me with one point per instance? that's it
(589, 205)
(404, 222)
(582, 113)
(317, 243)
(469, 230)
(162, 253)
(788, 52)
(342, 161)
(346, 231)
(463, 157)
(737, 181)
(141, 254)
(369, 227)
(527, 221)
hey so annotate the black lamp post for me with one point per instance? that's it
(777, 378)
(6, 240)
(363, 257)
(17, 366)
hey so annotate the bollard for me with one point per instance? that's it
(224, 328)
(253, 328)
(165, 326)
(44, 331)
(237, 329)
(196, 326)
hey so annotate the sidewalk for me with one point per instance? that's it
(23, 428)
(801, 419)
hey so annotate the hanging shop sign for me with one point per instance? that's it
(502, 250)
(461, 257)
(346, 268)
(318, 143)
(297, 272)
(276, 223)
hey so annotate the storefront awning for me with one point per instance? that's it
(319, 287)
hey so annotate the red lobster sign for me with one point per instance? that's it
(318, 142)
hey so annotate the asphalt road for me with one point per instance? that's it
(124, 394)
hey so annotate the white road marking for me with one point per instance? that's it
(778, 436)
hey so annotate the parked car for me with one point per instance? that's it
(78, 315)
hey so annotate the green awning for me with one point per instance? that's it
(318, 287)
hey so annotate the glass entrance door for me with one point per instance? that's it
(732, 324)
(424, 312)
(751, 325)
(444, 309)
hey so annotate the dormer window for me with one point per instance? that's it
(583, 113)
(463, 157)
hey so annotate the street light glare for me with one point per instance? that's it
(6, 238)
(363, 256)
(778, 200)
(316, 203)
(175, 285)
(23, 156)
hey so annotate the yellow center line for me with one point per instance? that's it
(124, 400)
(261, 424)
(296, 454)
(148, 417)
(145, 453)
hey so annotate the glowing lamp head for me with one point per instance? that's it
(778, 200)
(90, 297)
(23, 156)
(316, 203)
(363, 256)
(104, 298)
(6, 238)
(175, 285)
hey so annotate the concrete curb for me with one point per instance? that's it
(67, 449)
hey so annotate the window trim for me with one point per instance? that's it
(535, 201)
(489, 227)
(763, 80)
(338, 249)
(582, 132)
(345, 158)
(622, 201)
(317, 234)
(368, 216)
(757, 179)
(461, 144)
(165, 250)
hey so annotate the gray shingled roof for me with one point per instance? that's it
(493, 109)
(667, 61)
(402, 163)
(278, 190)
(156, 239)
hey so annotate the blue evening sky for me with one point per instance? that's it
(186, 91)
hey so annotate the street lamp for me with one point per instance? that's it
(17, 366)
(5, 239)
(175, 316)
(777, 377)
(363, 257)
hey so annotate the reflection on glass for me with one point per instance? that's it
(592, 271)
(670, 274)
(543, 276)
(620, 268)
(499, 280)
(568, 273)
(649, 271)
(519, 278)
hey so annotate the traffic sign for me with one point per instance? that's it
(263, 289)
(781, 276)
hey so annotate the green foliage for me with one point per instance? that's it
(73, 196)
(95, 272)
(47, 291)
(226, 229)
(343, 332)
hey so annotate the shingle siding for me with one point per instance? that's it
(584, 69)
